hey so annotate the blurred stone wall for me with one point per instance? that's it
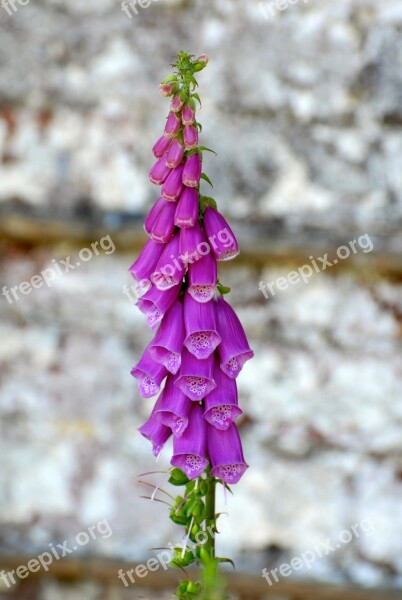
(304, 110)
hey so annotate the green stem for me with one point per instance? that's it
(210, 517)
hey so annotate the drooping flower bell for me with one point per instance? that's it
(173, 184)
(189, 450)
(155, 303)
(226, 453)
(159, 171)
(202, 277)
(145, 264)
(173, 407)
(169, 271)
(173, 124)
(192, 170)
(201, 328)
(163, 227)
(221, 404)
(186, 214)
(161, 146)
(234, 350)
(153, 214)
(190, 136)
(196, 377)
(188, 113)
(157, 433)
(224, 245)
(149, 374)
(175, 154)
(167, 346)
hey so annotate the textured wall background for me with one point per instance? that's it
(305, 112)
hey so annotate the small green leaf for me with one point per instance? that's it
(196, 96)
(193, 81)
(206, 178)
(226, 560)
(207, 149)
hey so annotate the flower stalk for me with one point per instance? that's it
(199, 346)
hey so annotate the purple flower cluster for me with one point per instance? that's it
(199, 346)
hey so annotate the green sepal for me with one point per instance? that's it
(179, 562)
(180, 137)
(206, 178)
(207, 201)
(179, 519)
(222, 289)
(169, 79)
(177, 477)
(195, 508)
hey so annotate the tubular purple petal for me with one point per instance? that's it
(167, 346)
(161, 146)
(173, 408)
(192, 243)
(159, 171)
(173, 124)
(173, 185)
(202, 335)
(186, 214)
(192, 170)
(155, 303)
(153, 214)
(149, 374)
(196, 377)
(202, 277)
(156, 433)
(163, 227)
(188, 115)
(175, 154)
(169, 270)
(189, 450)
(190, 136)
(226, 454)
(146, 262)
(234, 350)
(223, 240)
(221, 404)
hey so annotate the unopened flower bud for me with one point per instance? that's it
(201, 62)
(168, 86)
(176, 104)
